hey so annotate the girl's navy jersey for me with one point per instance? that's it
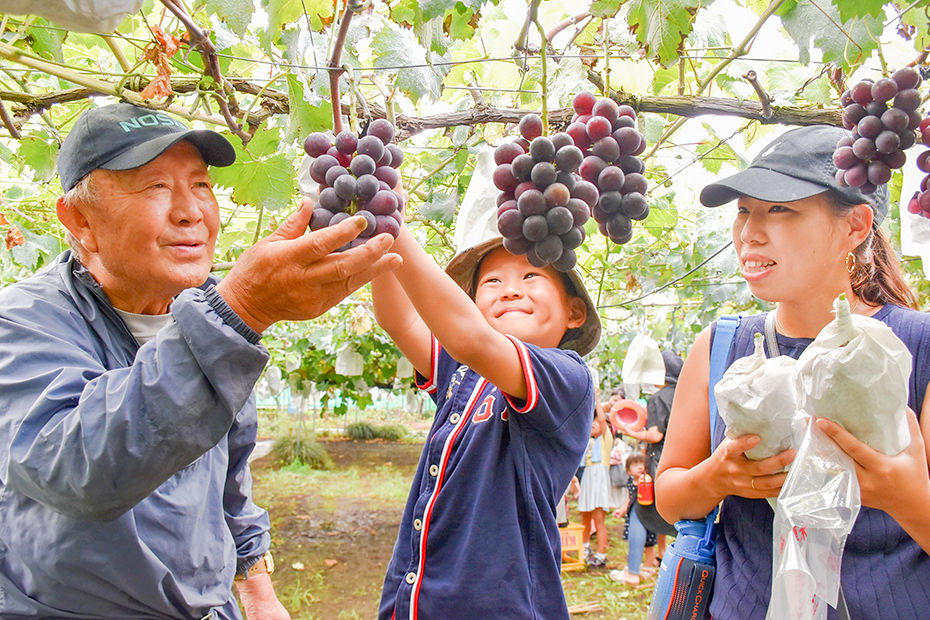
(479, 537)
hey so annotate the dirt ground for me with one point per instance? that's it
(331, 555)
(340, 559)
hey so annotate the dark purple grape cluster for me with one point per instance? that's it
(543, 205)
(358, 176)
(607, 135)
(920, 201)
(883, 116)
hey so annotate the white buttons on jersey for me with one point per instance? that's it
(454, 418)
(411, 577)
(417, 524)
(434, 470)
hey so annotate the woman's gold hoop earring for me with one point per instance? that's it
(850, 262)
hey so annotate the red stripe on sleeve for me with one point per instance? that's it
(532, 388)
(430, 384)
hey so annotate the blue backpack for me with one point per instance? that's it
(686, 576)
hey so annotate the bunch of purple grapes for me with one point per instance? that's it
(357, 176)
(882, 116)
(920, 202)
(543, 204)
(607, 134)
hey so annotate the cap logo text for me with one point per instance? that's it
(149, 120)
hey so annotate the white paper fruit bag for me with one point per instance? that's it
(856, 373)
(757, 395)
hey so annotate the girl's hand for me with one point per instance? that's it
(889, 483)
(737, 475)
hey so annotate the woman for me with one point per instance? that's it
(802, 239)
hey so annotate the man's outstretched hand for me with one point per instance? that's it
(294, 274)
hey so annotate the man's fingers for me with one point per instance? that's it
(296, 223)
(313, 246)
(386, 263)
(342, 266)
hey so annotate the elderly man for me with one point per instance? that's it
(126, 376)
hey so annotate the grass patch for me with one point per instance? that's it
(362, 431)
(291, 451)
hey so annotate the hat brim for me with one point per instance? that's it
(214, 148)
(464, 265)
(761, 184)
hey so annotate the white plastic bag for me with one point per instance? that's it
(643, 362)
(348, 362)
(814, 514)
(856, 372)
(81, 15)
(476, 221)
(757, 395)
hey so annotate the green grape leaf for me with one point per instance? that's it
(397, 47)
(46, 40)
(234, 13)
(848, 10)
(282, 12)
(462, 23)
(661, 26)
(661, 219)
(846, 44)
(405, 12)
(308, 111)
(604, 8)
(440, 207)
(917, 21)
(26, 254)
(40, 155)
(434, 8)
(262, 175)
(662, 78)
(713, 156)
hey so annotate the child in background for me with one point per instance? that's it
(619, 478)
(640, 540)
(498, 346)
(594, 499)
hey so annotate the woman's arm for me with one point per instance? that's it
(691, 481)
(900, 484)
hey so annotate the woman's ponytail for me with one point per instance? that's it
(877, 277)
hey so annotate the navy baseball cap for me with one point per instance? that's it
(798, 164)
(123, 136)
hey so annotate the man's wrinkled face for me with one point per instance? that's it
(152, 229)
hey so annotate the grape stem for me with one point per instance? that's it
(534, 15)
(200, 40)
(335, 68)
(740, 50)
(8, 122)
(764, 98)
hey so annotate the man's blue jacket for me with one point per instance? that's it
(125, 489)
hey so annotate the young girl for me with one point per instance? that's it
(802, 239)
(594, 499)
(641, 542)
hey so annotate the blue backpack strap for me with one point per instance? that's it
(719, 352)
(720, 345)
